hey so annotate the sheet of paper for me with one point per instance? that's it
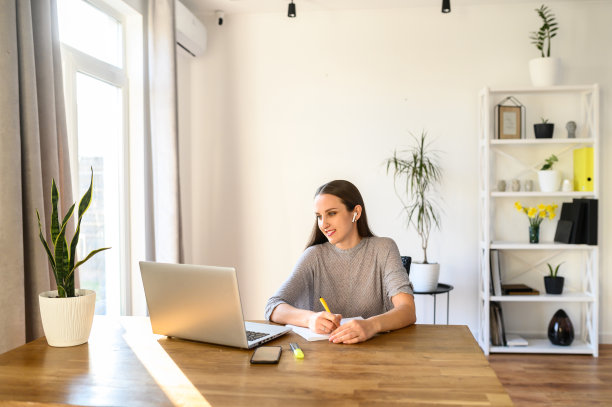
(309, 335)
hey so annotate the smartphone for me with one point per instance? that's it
(266, 354)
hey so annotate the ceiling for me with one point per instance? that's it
(204, 7)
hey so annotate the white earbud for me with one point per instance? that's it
(354, 216)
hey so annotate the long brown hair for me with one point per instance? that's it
(350, 197)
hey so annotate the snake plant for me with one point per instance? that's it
(61, 255)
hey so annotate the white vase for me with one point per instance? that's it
(545, 71)
(67, 321)
(550, 180)
(424, 277)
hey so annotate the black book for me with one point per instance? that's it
(575, 212)
(589, 229)
(564, 231)
(567, 214)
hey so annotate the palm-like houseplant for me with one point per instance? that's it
(67, 314)
(421, 173)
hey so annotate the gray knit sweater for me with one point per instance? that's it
(356, 282)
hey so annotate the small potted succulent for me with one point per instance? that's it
(66, 313)
(544, 129)
(549, 178)
(552, 282)
(545, 70)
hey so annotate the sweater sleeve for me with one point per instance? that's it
(298, 287)
(395, 276)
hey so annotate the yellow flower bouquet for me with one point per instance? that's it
(536, 215)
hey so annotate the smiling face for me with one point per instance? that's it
(336, 221)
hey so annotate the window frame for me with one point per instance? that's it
(130, 79)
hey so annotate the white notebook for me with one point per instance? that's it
(516, 340)
(309, 335)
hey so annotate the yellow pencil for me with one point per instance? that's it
(324, 304)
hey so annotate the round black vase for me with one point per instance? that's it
(544, 130)
(560, 329)
(553, 285)
(406, 261)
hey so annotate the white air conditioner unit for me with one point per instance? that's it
(190, 32)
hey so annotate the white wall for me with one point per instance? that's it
(280, 106)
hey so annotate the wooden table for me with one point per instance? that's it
(125, 365)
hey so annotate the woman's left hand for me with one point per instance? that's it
(357, 330)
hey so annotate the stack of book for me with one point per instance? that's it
(518, 289)
(578, 222)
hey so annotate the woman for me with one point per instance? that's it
(357, 273)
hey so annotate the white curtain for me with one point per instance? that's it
(33, 149)
(163, 195)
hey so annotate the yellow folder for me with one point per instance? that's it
(583, 169)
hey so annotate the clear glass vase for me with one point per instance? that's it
(534, 233)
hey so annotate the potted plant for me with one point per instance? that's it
(544, 129)
(553, 283)
(545, 70)
(422, 173)
(66, 313)
(549, 178)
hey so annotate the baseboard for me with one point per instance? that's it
(605, 339)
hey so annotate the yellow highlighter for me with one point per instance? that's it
(297, 352)
(324, 304)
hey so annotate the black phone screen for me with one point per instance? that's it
(266, 354)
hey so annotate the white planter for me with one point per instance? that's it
(545, 71)
(550, 180)
(424, 277)
(67, 321)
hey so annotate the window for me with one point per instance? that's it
(102, 65)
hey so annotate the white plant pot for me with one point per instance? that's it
(424, 277)
(67, 321)
(550, 180)
(545, 71)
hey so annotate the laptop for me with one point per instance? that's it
(201, 303)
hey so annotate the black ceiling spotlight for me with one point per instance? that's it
(291, 11)
(446, 6)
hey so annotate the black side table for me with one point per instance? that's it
(441, 289)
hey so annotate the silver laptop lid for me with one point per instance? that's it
(200, 303)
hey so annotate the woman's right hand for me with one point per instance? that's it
(324, 322)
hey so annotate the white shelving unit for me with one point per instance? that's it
(502, 228)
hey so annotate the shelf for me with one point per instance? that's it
(543, 345)
(539, 194)
(565, 297)
(503, 159)
(546, 89)
(540, 246)
(542, 141)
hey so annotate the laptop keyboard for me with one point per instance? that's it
(253, 336)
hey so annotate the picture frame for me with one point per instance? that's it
(509, 122)
(510, 119)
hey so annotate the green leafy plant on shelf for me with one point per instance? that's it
(542, 38)
(549, 162)
(553, 271)
(422, 173)
(61, 255)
